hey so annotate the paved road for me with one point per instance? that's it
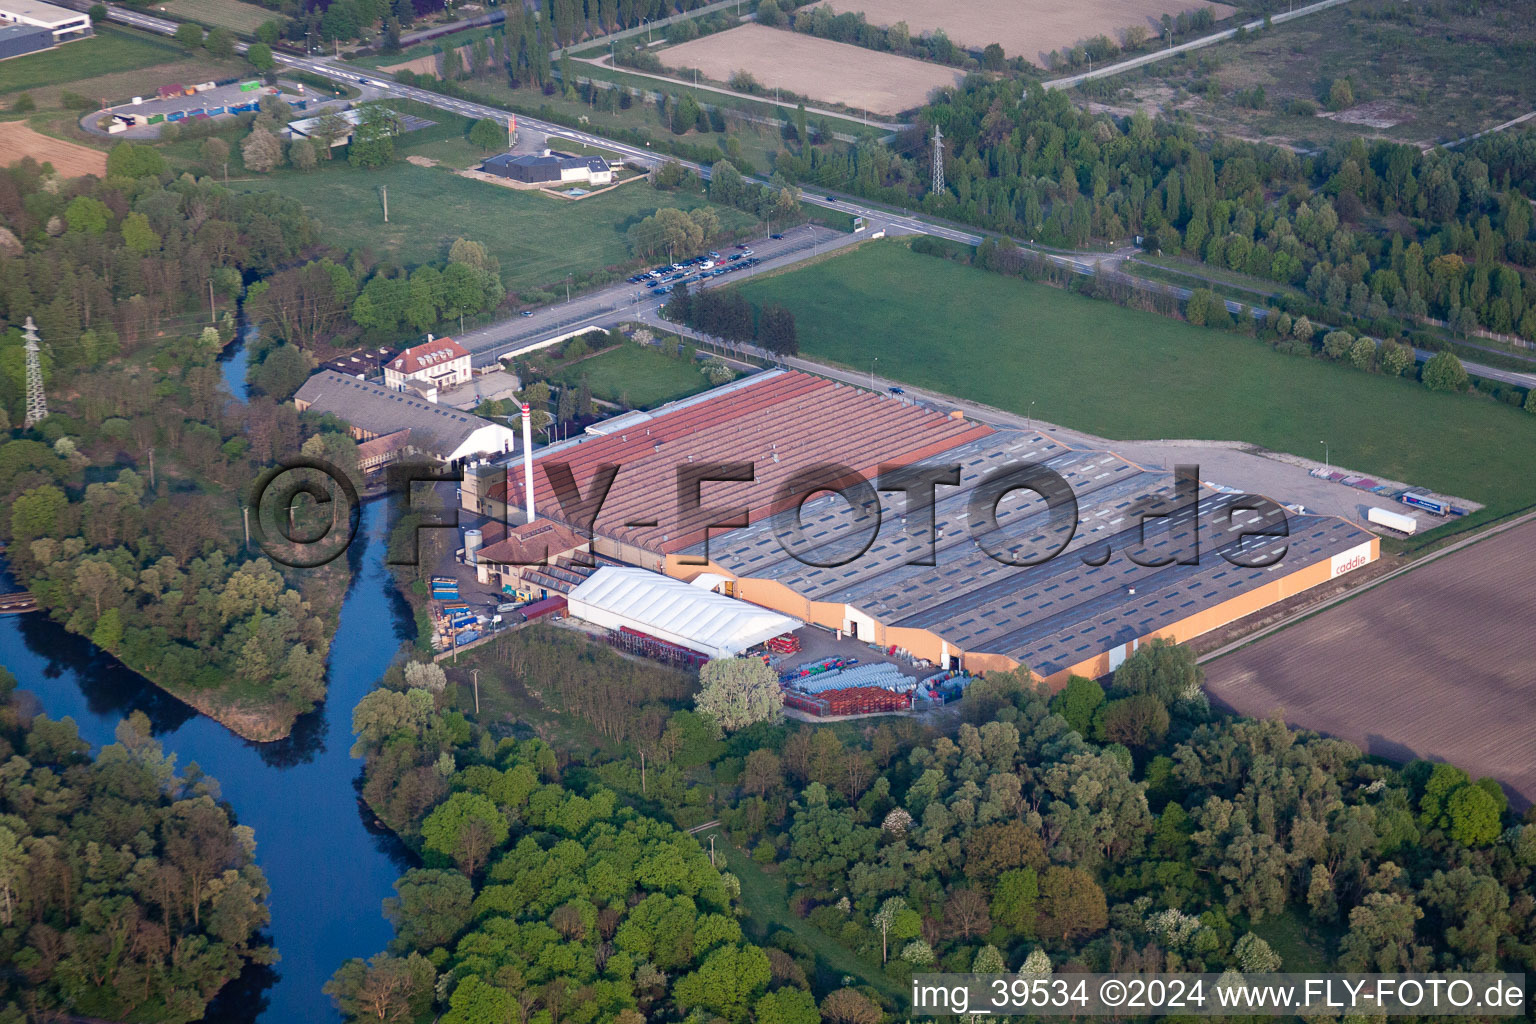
(621, 302)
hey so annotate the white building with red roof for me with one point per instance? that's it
(438, 363)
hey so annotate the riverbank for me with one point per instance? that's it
(328, 867)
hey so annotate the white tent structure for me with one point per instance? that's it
(678, 612)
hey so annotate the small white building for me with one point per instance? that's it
(440, 363)
(63, 23)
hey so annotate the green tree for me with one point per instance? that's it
(386, 988)
(260, 56)
(262, 151)
(486, 135)
(1072, 905)
(429, 909)
(138, 236)
(1474, 816)
(1444, 372)
(221, 42)
(787, 1005)
(373, 140)
(1077, 702)
(189, 35)
(737, 692)
(727, 983)
(465, 827)
(87, 215)
(1014, 900)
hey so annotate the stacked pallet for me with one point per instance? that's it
(785, 644)
(857, 700)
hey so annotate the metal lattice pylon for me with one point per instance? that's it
(938, 160)
(37, 401)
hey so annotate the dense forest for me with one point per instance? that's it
(1136, 829)
(538, 899)
(1126, 826)
(1373, 230)
(122, 506)
(126, 892)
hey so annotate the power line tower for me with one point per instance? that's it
(938, 161)
(37, 402)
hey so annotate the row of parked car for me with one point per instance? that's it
(711, 264)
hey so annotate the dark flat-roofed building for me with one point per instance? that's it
(20, 40)
(549, 168)
(1115, 583)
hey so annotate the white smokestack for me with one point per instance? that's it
(528, 459)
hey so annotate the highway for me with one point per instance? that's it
(518, 332)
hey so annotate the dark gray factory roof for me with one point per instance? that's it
(1056, 614)
(436, 429)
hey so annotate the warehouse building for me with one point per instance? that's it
(20, 40)
(550, 168)
(1137, 561)
(62, 25)
(434, 432)
(1133, 565)
(692, 617)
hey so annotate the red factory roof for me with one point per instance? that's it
(430, 354)
(782, 424)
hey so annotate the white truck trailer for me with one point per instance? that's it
(1392, 520)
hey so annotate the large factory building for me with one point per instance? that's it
(1135, 562)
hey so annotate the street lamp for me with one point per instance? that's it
(872, 373)
(1030, 419)
(1326, 459)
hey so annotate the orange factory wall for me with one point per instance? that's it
(929, 646)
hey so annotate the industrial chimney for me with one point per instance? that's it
(528, 459)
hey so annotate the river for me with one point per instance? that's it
(328, 867)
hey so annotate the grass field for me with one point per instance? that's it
(109, 51)
(638, 376)
(538, 239)
(1119, 373)
(1418, 72)
(232, 14)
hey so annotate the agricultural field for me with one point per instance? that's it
(1416, 73)
(1451, 634)
(69, 159)
(538, 239)
(232, 14)
(1119, 373)
(1023, 28)
(636, 376)
(824, 70)
(111, 57)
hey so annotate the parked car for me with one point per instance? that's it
(526, 312)
(898, 390)
(776, 237)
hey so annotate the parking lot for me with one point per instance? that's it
(712, 264)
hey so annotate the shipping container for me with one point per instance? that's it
(215, 111)
(1392, 520)
(549, 606)
(156, 118)
(469, 636)
(176, 115)
(249, 86)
